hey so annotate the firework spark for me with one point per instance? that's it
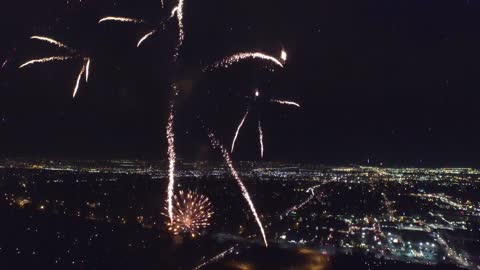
(145, 37)
(191, 213)
(51, 41)
(121, 19)
(4, 64)
(171, 154)
(227, 62)
(216, 258)
(79, 78)
(285, 102)
(260, 135)
(226, 156)
(45, 60)
(238, 129)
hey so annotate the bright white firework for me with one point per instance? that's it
(283, 56)
(121, 19)
(79, 78)
(171, 154)
(145, 37)
(238, 130)
(260, 136)
(227, 62)
(216, 258)
(45, 60)
(51, 41)
(226, 156)
(286, 102)
(87, 69)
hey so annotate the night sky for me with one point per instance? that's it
(393, 82)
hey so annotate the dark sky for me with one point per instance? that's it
(390, 81)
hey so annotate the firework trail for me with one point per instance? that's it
(87, 69)
(285, 102)
(216, 258)
(260, 135)
(227, 62)
(226, 156)
(238, 129)
(171, 154)
(191, 213)
(79, 78)
(178, 12)
(45, 60)
(121, 19)
(51, 41)
(145, 37)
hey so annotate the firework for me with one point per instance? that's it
(256, 95)
(216, 258)
(73, 55)
(227, 62)
(178, 12)
(79, 78)
(283, 56)
(191, 213)
(51, 41)
(120, 19)
(171, 154)
(45, 60)
(87, 69)
(285, 102)
(238, 130)
(260, 136)
(145, 37)
(226, 156)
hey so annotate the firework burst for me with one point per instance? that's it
(176, 12)
(253, 99)
(72, 54)
(191, 213)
